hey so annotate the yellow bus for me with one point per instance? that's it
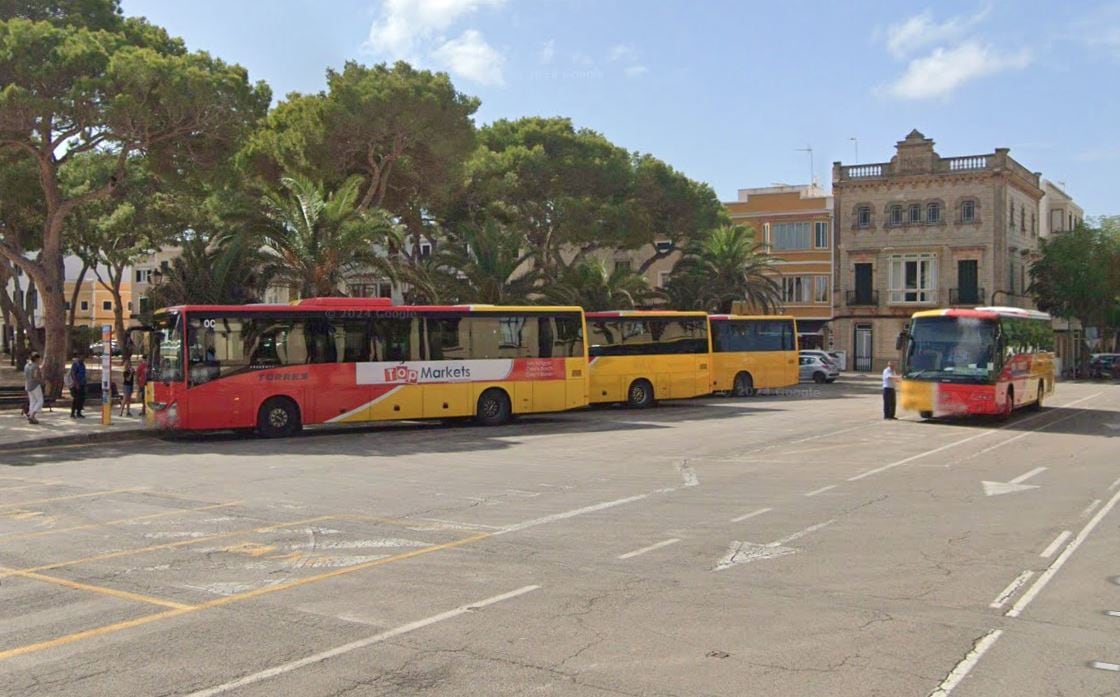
(752, 352)
(638, 357)
(277, 368)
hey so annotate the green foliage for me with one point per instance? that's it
(486, 264)
(96, 14)
(404, 131)
(1076, 275)
(565, 189)
(728, 265)
(226, 270)
(589, 284)
(318, 239)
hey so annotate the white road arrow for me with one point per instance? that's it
(746, 552)
(1014, 486)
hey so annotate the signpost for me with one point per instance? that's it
(106, 374)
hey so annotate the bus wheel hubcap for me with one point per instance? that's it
(278, 418)
(491, 407)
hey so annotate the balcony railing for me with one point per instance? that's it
(966, 163)
(967, 296)
(857, 298)
(870, 171)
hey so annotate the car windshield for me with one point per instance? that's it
(951, 348)
(167, 349)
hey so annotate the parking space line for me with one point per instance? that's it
(1006, 593)
(1102, 665)
(751, 515)
(962, 669)
(124, 595)
(359, 644)
(823, 489)
(227, 600)
(107, 492)
(118, 521)
(1053, 547)
(1090, 508)
(168, 545)
(1045, 576)
(650, 548)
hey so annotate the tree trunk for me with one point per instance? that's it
(116, 277)
(74, 296)
(52, 292)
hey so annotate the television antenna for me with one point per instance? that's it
(812, 169)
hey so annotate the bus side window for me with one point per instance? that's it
(393, 339)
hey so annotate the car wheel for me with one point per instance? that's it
(278, 417)
(819, 378)
(494, 408)
(743, 386)
(640, 394)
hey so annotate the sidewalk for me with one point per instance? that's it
(57, 428)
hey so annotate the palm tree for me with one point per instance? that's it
(487, 265)
(317, 240)
(590, 285)
(728, 265)
(224, 270)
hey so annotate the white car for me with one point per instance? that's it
(828, 357)
(817, 369)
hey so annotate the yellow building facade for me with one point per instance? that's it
(795, 223)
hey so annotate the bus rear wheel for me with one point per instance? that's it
(278, 418)
(640, 394)
(494, 408)
(1037, 404)
(743, 386)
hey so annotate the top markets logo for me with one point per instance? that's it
(405, 375)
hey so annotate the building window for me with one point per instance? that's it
(915, 214)
(1022, 218)
(821, 290)
(130, 306)
(913, 278)
(67, 305)
(85, 306)
(1011, 216)
(425, 249)
(933, 213)
(1034, 225)
(968, 211)
(797, 289)
(663, 279)
(107, 305)
(791, 236)
(896, 215)
(863, 216)
(143, 275)
(820, 234)
(145, 304)
(621, 265)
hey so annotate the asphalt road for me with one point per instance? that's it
(782, 545)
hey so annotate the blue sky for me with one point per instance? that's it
(728, 91)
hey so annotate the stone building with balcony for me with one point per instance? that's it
(924, 231)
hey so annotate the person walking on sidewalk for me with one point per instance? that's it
(127, 381)
(77, 380)
(889, 380)
(33, 383)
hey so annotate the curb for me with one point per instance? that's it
(81, 439)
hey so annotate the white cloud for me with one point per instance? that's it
(623, 52)
(944, 70)
(548, 51)
(403, 24)
(471, 57)
(921, 31)
(635, 70)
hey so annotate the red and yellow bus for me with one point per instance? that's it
(640, 356)
(276, 368)
(752, 352)
(991, 360)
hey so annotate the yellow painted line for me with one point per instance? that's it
(239, 597)
(118, 521)
(167, 545)
(107, 492)
(125, 595)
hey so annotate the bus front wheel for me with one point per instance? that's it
(640, 394)
(278, 417)
(743, 386)
(494, 408)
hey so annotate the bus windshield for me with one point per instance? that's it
(947, 348)
(166, 364)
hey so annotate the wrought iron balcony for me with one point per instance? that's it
(856, 298)
(966, 296)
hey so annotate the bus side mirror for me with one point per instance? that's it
(900, 341)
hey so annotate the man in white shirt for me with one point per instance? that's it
(889, 380)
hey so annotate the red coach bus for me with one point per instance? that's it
(991, 360)
(276, 368)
